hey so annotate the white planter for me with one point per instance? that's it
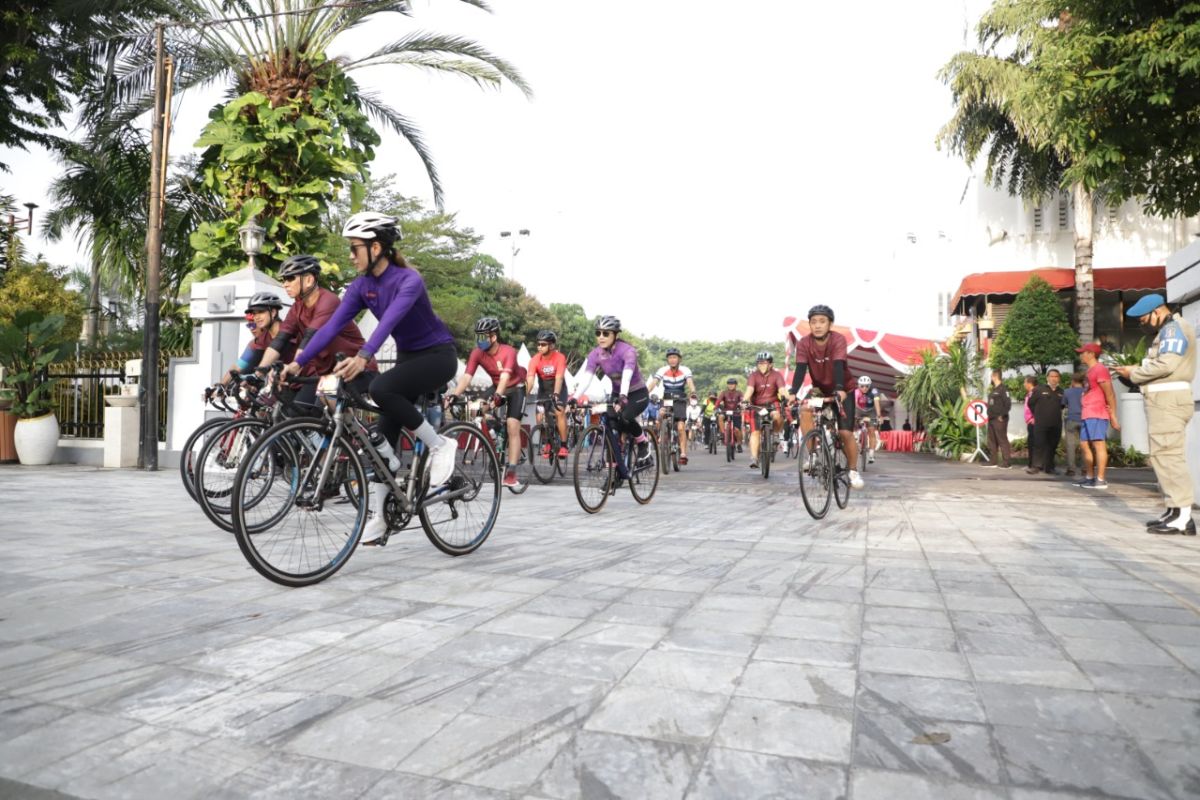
(36, 440)
(1131, 411)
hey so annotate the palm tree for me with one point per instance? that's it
(279, 47)
(1001, 109)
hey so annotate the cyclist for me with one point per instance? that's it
(262, 318)
(765, 387)
(709, 412)
(425, 359)
(869, 406)
(693, 417)
(617, 359)
(312, 306)
(549, 366)
(822, 354)
(730, 405)
(499, 361)
(676, 382)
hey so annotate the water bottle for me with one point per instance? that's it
(433, 411)
(384, 448)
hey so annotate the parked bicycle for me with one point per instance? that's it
(603, 456)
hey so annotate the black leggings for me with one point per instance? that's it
(627, 420)
(416, 373)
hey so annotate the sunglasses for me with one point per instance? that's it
(354, 247)
(290, 278)
(543, 344)
(606, 333)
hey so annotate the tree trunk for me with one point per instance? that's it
(1085, 292)
(93, 334)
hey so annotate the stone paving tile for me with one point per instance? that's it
(786, 729)
(911, 661)
(884, 635)
(958, 750)
(596, 764)
(652, 712)
(874, 784)
(736, 773)
(1045, 708)
(905, 695)
(798, 683)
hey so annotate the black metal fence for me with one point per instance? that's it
(85, 381)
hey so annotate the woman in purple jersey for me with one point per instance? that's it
(618, 360)
(425, 357)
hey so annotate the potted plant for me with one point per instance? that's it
(27, 347)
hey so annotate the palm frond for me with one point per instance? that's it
(379, 110)
(434, 44)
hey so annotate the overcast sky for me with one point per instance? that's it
(700, 169)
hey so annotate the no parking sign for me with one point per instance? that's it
(976, 413)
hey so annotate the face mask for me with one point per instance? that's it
(483, 344)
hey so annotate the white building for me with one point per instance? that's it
(1183, 286)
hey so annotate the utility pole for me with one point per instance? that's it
(150, 336)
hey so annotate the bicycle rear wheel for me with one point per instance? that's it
(815, 485)
(217, 466)
(864, 439)
(594, 469)
(459, 515)
(766, 449)
(299, 534)
(730, 441)
(190, 455)
(841, 477)
(543, 457)
(643, 481)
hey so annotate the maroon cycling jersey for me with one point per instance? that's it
(819, 356)
(505, 361)
(730, 399)
(766, 388)
(303, 322)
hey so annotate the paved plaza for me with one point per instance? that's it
(955, 633)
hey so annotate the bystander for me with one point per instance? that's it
(1073, 400)
(1099, 409)
(998, 406)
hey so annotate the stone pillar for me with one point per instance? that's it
(120, 436)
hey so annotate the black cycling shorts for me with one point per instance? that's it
(514, 408)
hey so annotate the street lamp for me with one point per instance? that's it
(251, 237)
(512, 238)
(13, 224)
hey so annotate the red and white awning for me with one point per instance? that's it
(1107, 279)
(881, 355)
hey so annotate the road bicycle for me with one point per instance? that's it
(545, 443)
(710, 435)
(599, 456)
(864, 441)
(486, 416)
(824, 465)
(668, 438)
(313, 513)
(729, 433)
(767, 442)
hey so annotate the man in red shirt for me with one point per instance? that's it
(764, 388)
(499, 361)
(822, 354)
(312, 306)
(1099, 409)
(549, 366)
(730, 404)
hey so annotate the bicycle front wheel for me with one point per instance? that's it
(190, 456)
(300, 533)
(542, 453)
(864, 439)
(841, 477)
(594, 468)
(767, 450)
(459, 515)
(643, 481)
(815, 469)
(217, 466)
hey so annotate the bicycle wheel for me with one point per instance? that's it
(815, 486)
(295, 535)
(841, 477)
(664, 453)
(594, 469)
(863, 440)
(676, 445)
(191, 452)
(766, 449)
(459, 515)
(217, 466)
(643, 481)
(712, 441)
(542, 455)
(730, 442)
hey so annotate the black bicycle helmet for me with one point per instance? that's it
(821, 309)
(765, 355)
(298, 265)
(731, 382)
(608, 323)
(674, 351)
(263, 301)
(547, 336)
(487, 325)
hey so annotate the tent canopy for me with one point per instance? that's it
(1111, 279)
(883, 356)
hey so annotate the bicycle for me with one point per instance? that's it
(544, 444)
(864, 441)
(710, 435)
(766, 438)
(824, 466)
(601, 448)
(487, 418)
(214, 396)
(729, 432)
(304, 530)
(668, 438)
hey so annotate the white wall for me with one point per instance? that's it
(1183, 284)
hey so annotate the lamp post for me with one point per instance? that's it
(13, 224)
(251, 237)
(512, 239)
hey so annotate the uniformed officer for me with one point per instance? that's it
(1165, 378)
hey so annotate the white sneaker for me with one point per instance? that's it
(856, 480)
(441, 461)
(376, 526)
(871, 457)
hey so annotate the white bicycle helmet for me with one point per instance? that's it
(372, 225)
(864, 382)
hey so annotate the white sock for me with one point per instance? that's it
(1180, 522)
(428, 434)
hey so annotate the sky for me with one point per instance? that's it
(699, 169)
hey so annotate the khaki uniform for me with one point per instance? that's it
(1165, 378)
